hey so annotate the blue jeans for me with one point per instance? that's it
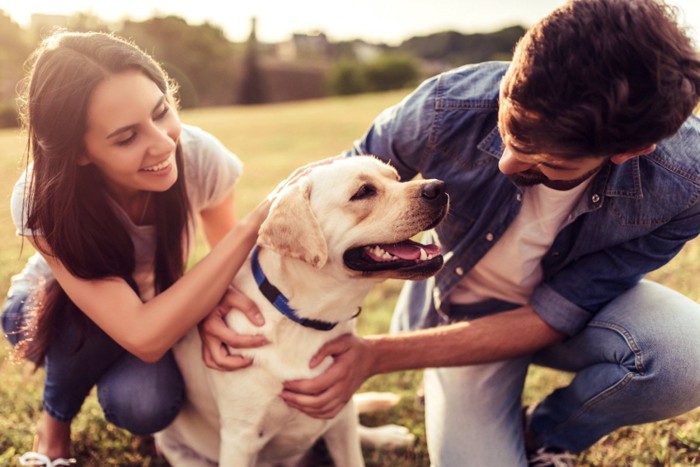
(637, 361)
(137, 396)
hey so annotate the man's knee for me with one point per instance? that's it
(661, 328)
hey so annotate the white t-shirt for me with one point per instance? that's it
(211, 171)
(512, 268)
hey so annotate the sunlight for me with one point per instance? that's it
(388, 21)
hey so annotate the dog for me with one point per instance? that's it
(328, 239)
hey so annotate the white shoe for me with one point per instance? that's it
(34, 458)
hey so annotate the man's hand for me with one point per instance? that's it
(217, 336)
(325, 395)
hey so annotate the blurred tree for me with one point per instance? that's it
(347, 77)
(455, 49)
(15, 47)
(200, 58)
(388, 71)
(252, 87)
(391, 71)
(84, 22)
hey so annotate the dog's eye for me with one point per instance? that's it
(365, 191)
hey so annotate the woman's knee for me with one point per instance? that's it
(142, 397)
(140, 413)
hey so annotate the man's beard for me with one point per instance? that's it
(535, 177)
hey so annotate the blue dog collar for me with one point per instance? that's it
(281, 302)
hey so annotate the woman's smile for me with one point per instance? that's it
(161, 166)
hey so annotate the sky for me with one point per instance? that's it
(387, 21)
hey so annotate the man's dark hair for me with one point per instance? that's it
(599, 78)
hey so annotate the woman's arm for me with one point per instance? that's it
(149, 329)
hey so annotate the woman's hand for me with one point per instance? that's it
(217, 336)
(325, 395)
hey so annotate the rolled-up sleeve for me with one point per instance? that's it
(560, 313)
(572, 296)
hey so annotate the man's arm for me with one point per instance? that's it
(492, 338)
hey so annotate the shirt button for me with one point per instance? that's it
(459, 271)
(595, 198)
(489, 237)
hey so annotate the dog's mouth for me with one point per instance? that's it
(407, 258)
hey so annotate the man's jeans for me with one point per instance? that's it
(637, 361)
(137, 396)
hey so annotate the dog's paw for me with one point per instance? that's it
(386, 436)
(366, 402)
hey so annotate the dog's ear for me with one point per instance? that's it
(291, 228)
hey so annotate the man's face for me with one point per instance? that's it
(527, 168)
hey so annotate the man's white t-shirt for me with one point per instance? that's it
(511, 269)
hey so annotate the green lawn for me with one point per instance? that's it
(272, 140)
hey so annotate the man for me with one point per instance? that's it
(573, 171)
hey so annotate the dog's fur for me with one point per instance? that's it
(314, 248)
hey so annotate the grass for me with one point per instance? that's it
(272, 140)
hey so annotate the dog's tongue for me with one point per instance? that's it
(410, 250)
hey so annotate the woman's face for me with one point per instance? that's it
(132, 133)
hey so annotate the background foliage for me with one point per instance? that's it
(214, 71)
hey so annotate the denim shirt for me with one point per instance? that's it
(632, 219)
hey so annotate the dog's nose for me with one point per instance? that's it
(433, 189)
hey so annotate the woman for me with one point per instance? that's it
(109, 203)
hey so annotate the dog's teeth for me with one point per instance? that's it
(382, 253)
(423, 255)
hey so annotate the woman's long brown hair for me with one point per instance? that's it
(68, 203)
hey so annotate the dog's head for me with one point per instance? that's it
(355, 214)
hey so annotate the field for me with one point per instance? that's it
(272, 140)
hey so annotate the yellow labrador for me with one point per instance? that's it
(329, 238)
